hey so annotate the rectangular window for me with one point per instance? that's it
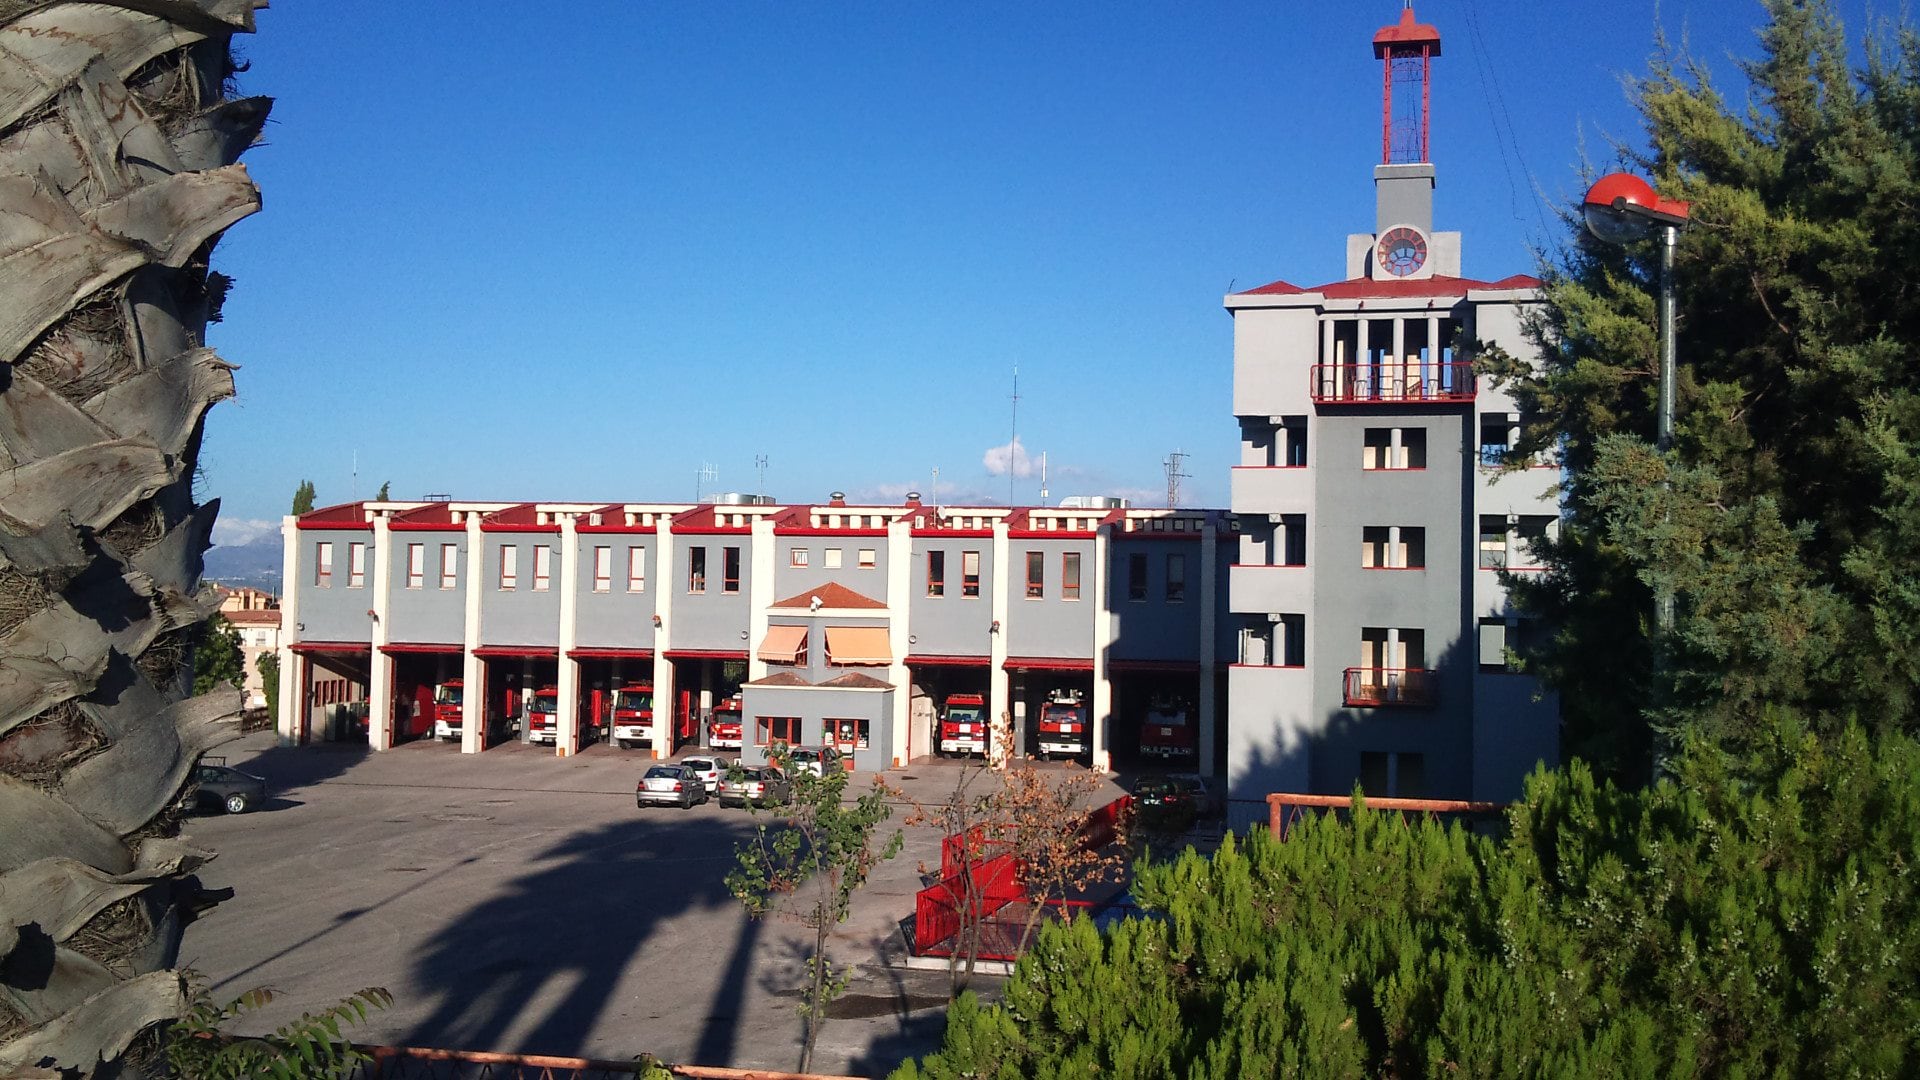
(936, 573)
(798, 557)
(323, 565)
(768, 730)
(416, 566)
(603, 569)
(509, 566)
(1493, 541)
(969, 574)
(1493, 645)
(1376, 448)
(869, 557)
(356, 566)
(1070, 576)
(1413, 547)
(1373, 547)
(1293, 540)
(1385, 774)
(1413, 448)
(847, 733)
(730, 570)
(1496, 438)
(1294, 442)
(542, 567)
(636, 569)
(832, 559)
(449, 566)
(1176, 579)
(1292, 651)
(1394, 448)
(1036, 575)
(1136, 577)
(697, 570)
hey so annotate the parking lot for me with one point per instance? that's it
(514, 901)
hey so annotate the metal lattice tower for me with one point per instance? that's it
(1175, 462)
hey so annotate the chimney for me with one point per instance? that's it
(913, 498)
(838, 498)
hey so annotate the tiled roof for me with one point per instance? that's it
(1367, 288)
(854, 680)
(780, 678)
(832, 595)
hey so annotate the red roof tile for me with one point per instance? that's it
(832, 595)
(780, 678)
(854, 680)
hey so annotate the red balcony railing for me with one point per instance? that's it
(1372, 687)
(1389, 383)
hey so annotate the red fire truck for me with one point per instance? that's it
(1063, 724)
(446, 709)
(963, 725)
(723, 732)
(632, 709)
(1167, 731)
(543, 713)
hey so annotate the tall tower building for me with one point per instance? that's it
(1375, 515)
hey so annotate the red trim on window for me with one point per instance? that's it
(398, 648)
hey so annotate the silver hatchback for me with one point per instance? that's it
(710, 770)
(670, 785)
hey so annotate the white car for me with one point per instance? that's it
(709, 770)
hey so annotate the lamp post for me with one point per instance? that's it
(1621, 208)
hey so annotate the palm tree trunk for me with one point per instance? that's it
(117, 143)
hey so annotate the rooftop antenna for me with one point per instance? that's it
(356, 474)
(934, 490)
(1043, 478)
(1013, 446)
(706, 474)
(760, 466)
(1173, 465)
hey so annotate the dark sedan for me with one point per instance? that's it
(227, 788)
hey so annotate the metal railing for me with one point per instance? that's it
(1371, 687)
(1285, 809)
(421, 1063)
(1392, 382)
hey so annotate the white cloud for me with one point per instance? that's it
(1000, 459)
(238, 532)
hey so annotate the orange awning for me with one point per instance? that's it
(783, 644)
(858, 645)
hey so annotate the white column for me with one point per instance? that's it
(473, 670)
(999, 692)
(293, 697)
(1399, 358)
(1205, 706)
(759, 594)
(1435, 372)
(380, 691)
(899, 604)
(665, 698)
(567, 723)
(1329, 354)
(1100, 716)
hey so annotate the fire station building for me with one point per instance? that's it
(1378, 508)
(834, 624)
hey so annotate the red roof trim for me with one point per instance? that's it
(497, 527)
(1274, 288)
(425, 526)
(610, 654)
(1048, 663)
(1438, 285)
(331, 647)
(398, 648)
(932, 660)
(506, 652)
(705, 654)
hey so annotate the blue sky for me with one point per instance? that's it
(520, 257)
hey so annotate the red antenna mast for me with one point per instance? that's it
(1406, 50)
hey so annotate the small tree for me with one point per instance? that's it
(269, 667)
(964, 814)
(218, 658)
(1043, 816)
(303, 497)
(812, 861)
(381, 496)
(310, 1048)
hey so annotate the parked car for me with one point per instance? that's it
(1172, 803)
(669, 785)
(708, 769)
(813, 759)
(766, 785)
(217, 785)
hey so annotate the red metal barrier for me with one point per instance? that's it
(1284, 808)
(420, 1063)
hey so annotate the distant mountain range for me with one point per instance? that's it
(255, 563)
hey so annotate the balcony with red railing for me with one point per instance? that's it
(1368, 688)
(1409, 382)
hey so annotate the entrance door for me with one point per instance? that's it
(847, 736)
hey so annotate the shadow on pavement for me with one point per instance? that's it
(533, 968)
